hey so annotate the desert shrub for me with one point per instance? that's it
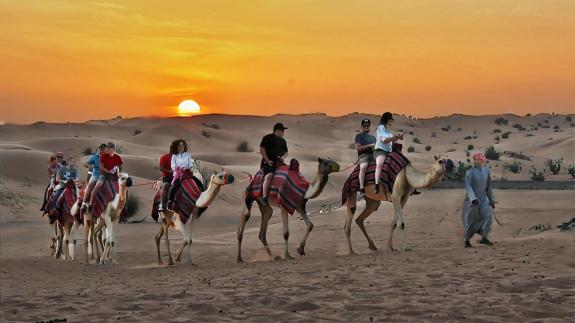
(571, 170)
(555, 127)
(568, 118)
(514, 167)
(213, 126)
(468, 138)
(470, 147)
(206, 134)
(410, 133)
(458, 173)
(459, 129)
(505, 135)
(427, 148)
(534, 128)
(467, 153)
(515, 155)
(536, 175)
(416, 140)
(132, 205)
(519, 127)
(433, 135)
(137, 132)
(410, 149)
(528, 115)
(529, 135)
(88, 151)
(446, 129)
(496, 130)
(497, 138)
(243, 147)
(491, 153)
(554, 165)
(501, 121)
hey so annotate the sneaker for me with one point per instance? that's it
(485, 241)
(467, 244)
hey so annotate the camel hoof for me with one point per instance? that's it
(278, 258)
(301, 251)
(171, 263)
(372, 247)
(289, 257)
(193, 265)
(240, 260)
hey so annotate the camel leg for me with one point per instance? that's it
(73, 239)
(166, 231)
(309, 225)
(185, 236)
(266, 215)
(193, 220)
(59, 238)
(246, 213)
(401, 224)
(370, 207)
(88, 237)
(392, 229)
(285, 220)
(66, 240)
(52, 234)
(158, 239)
(351, 207)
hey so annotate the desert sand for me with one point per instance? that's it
(526, 276)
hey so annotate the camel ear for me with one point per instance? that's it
(436, 158)
(319, 160)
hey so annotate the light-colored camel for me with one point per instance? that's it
(104, 226)
(407, 180)
(325, 167)
(172, 219)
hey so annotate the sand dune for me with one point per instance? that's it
(527, 276)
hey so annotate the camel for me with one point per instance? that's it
(104, 224)
(67, 225)
(407, 180)
(172, 218)
(325, 167)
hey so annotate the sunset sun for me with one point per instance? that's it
(188, 107)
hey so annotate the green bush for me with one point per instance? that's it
(427, 148)
(514, 167)
(243, 147)
(470, 147)
(571, 170)
(206, 134)
(132, 205)
(497, 130)
(410, 149)
(505, 135)
(491, 153)
(137, 132)
(416, 140)
(497, 138)
(88, 151)
(458, 173)
(536, 175)
(554, 165)
(501, 121)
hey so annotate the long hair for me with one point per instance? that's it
(175, 144)
(385, 118)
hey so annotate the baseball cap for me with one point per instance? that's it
(365, 121)
(111, 145)
(102, 146)
(279, 126)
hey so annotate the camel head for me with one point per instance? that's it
(124, 180)
(222, 178)
(441, 165)
(327, 166)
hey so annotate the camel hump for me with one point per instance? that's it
(294, 164)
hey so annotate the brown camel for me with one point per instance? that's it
(67, 222)
(325, 167)
(407, 180)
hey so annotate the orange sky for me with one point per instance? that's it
(78, 60)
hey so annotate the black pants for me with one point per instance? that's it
(174, 189)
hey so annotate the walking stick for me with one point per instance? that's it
(496, 218)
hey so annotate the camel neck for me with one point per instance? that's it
(316, 187)
(418, 179)
(208, 195)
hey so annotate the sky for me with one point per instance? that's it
(78, 60)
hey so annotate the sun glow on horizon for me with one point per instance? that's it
(188, 107)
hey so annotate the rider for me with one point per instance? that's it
(383, 147)
(364, 143)
(274, 150)
(167, 174)
(110, 165)
(94, 164)
(65, 173)
(181, 161)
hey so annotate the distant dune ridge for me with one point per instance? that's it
(525, 261)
